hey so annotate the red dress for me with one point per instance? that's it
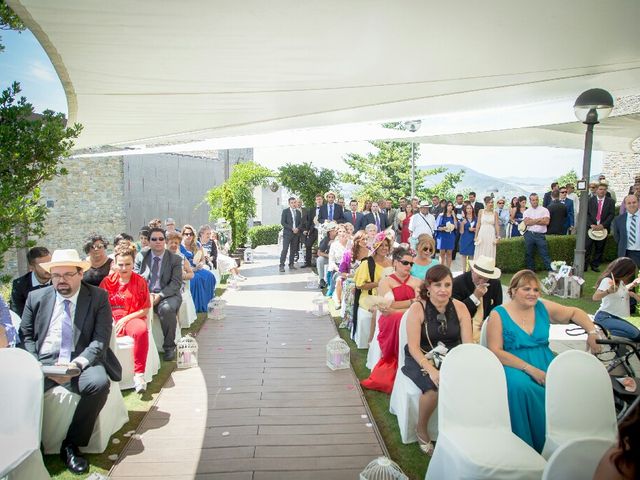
(384, 373)
(404, 234)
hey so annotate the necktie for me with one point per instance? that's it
(633, 231)
(66, 341)
(353, 216)
(331, 212)
(599, 213)
(293, 217)
(377, 222)
(155, 268)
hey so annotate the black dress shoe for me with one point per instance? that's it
(71, 457)
(169, 355)
(292, 267)
(281, 268)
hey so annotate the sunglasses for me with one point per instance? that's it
(187, 234)
(97, 247)
(563, 191)
(442, 320)
(427, 249)
(406, 262)
(157, 239)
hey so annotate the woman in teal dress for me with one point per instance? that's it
(518, 333)
(424, 260)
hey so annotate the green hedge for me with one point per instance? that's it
(510, 254)
(264, 235)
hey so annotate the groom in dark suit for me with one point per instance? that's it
(163, 271)
(291, 221)
(70, 323)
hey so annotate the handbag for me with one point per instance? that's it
(436, 354)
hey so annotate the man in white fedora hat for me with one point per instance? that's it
(480, 290)
(69, 323)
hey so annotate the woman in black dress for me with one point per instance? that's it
(434, 317)
(96, 247)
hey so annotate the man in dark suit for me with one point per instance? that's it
(36, 278)
(558, 215)
(291, 221)
(354, 217)
(600, 213)
(567, 202)
(626, 230)
(69, 324)
(477, 206)
(391, 213)
(309, 230)
(331, 211)
(163, 272)
(376, 217)
(480, 290)
(546, 200)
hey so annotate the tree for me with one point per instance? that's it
(234, 199)
(387, 173)
(8, 21)
(570, 177)
(307, 181)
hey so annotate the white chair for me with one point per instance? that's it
(155, 331)
(20, 416)
(405, 397)
(475, 439)
(187, 313)
(363, 328)
(576, 460)
(15, 319)
(483, 334)
(578, 401)
(123, 349)
(375, 353)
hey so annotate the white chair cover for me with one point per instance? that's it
(187, 313)
(483, 334)
(155, 332)
(475, 439)
(374, 354)
(20, 416)
(15, 319)
(572, 377)
(363, 328)
(59, 407)
(123, 349)
(405, 397)
(576, 460)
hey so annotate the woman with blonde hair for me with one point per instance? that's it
(424, 260)
(203, 283)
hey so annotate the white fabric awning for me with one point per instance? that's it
(167, 72)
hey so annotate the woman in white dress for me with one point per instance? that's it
(487, 231)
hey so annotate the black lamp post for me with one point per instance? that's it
(590, 107)
(413, 127)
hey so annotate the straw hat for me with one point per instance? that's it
(65, 258)
(424, 203)
(522, 227)
(330, 192)
(485, 267)
(331, 226)
(379, 239)
(597, 235)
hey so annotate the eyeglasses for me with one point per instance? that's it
(563, 191)
(67, 276)
(97, 247)
(427, 249)
(187, 234)
(442, 320)
(500, 203)
(406, 262)
(157, 239)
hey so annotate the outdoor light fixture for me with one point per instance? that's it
(590, 107)
(413, 126)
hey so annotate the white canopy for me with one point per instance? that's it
(166, 72)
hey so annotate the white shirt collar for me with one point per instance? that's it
(73, 299)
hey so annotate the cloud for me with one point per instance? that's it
(38, 70)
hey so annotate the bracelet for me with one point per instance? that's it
(524, 368)
(592, 332)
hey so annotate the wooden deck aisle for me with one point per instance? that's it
(263, 405)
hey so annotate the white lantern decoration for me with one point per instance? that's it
(232, 283)
(338, 354)
(248, 254)
(312, 282)
(320, 302)
(215, 309)
(187, 350)
(382, 468)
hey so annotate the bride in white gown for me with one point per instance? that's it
(487, 231)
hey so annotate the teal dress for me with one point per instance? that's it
(420, 271)
(525, 395)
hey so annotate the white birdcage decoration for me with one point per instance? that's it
(187, 350)
(320, 303)
(215, 309)
(248, 253)
(338, 354)
(232, 283)
(382, 468)
(312, 282)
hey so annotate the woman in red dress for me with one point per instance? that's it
(129, 299)
(404, 230)
(403, 287)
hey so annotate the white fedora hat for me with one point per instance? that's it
(597, 235)
(66, 258)
(485, 267)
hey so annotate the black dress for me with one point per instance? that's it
(450, 336)
(94, 276)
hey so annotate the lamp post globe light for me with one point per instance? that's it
(413, 127)
(590, 107)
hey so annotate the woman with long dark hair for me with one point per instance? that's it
(467, 236)
(516, 215)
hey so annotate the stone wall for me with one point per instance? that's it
(622, 169)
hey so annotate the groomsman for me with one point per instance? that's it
(310, 232)
(331, 211)
(626, 230)
(376, 217)
(36, 278)
(291, 221)
(354, 217)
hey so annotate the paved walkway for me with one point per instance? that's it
(263, 405)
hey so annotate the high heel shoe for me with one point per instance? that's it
(426, 447)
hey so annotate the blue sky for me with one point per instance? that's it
(25, 61)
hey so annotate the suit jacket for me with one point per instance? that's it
(170, 272)
(463, 287)
(20, 291)
(369, 218)
(546, 200)
(359, 224)
(338, 213)
(286, 220)
(571, 218)
(607, 214)
(92, 322)
(558, 215)
(308, 224)
(619, 227)
(392, 213)
(477, 207)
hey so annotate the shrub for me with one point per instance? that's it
(510, 253)
(264, 235)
